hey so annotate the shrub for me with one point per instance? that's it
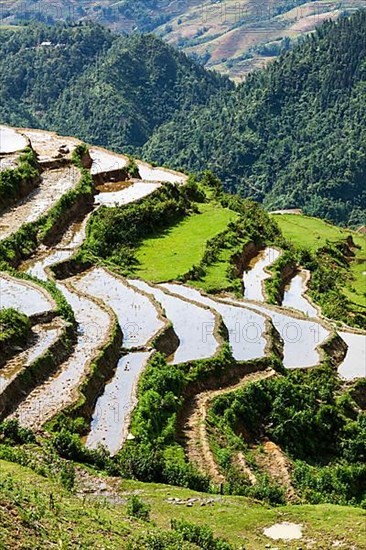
(12, 432)
(159, 540)
(14, 328)
(67, 475)
(136, 508)
(202, 536)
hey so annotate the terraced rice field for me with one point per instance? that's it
(313, 233)
(246, 328)
(194, 325)
(294, 295)
(23, 296)
(102, 301)
(257, 273)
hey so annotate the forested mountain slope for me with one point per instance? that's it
(293, 135)
(290, 136)
(229, 36)
(86, 81)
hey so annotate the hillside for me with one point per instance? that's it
(231, 37)
(175, 370)
(291, 136)
(88, 82)
(39, 512)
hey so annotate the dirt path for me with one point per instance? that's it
(244, 467)
(195, 428)
(274, 461)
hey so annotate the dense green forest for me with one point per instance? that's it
(290, 136)
(86, 81)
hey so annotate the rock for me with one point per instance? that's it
(64, 149)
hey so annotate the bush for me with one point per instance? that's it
(12, 432)
(67, 475)
(202, 536)
(159, 540)
(136, 508)
(11, 180)
(14, 328)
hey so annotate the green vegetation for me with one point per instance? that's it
(217, 270)
(38, 511)
(322, 431)
(203, 32)
(14, 330)
(189, 233)
(313, 234)
(77, 88)
(136, 508)
(155, 454)
(20, 180)
(166, 256)
(114, 233)
(290, 136)
(20, 245)
(336, 258)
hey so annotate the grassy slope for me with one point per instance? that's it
(174, 251)
(31, 518)
(313, 233)
(216, 274)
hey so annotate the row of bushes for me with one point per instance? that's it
(275, 284)
(25, 241)
(182, 536)
(77, 417)
(155, 454)
(254, 224)
(329, 268)
(329, 272)
(22, 244)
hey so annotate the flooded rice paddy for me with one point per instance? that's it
(193, 325)
(294, 295)
(246, 328)
(255, 276)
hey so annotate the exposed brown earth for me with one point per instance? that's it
(274, 461)
(195, 432)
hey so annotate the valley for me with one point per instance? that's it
(231, 37)
(290, 136)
